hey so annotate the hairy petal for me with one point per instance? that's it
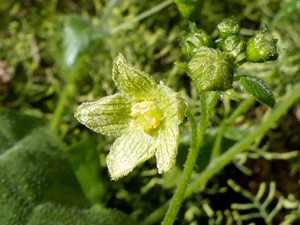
(109, 115)
(133, 83)
(129, 150)
(171, 103)
(167, 147)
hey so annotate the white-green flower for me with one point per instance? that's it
(143, 114)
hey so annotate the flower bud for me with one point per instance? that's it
(211, 70)
(189, 9)
(233, 45)
(261, 48)
(229, 26)
(192, 41)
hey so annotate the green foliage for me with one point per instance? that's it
(258, 88)
(190, 9)
(35, 171)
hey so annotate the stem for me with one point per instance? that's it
(73, 74)
(142, 16)
(196, 141)
(218, 163)
(242, 108)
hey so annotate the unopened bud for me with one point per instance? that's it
(194, 40)
(261, 48)
(211, 70)
(233, 45)
(229, 26)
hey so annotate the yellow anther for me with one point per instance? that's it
(147, 116)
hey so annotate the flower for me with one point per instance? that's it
(144, 115)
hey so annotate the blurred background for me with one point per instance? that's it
(50, 49)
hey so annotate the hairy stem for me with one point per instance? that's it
(197, 137)
(67, 90)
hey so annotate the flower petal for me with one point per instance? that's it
(128, 151)
(167, 147)
(171, 103)
(109, 115)
(132, 82)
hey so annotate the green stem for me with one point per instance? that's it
(67, 90)
(218, 163)
(142, 16)
(196, 141)
(242, 108)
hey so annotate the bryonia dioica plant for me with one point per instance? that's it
(145, 116)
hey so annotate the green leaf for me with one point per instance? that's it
(32, 171)
(258, 88)
(55, 214)
(109, 115)
(128, 151)
(77, 33)
(132, 82)
(15, 126)
(35, 171)
(84, 160)
(167, 147)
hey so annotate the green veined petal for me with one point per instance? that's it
(171, 103)
(132, 82)
(167, 147)
(129, 150)
(109, 115)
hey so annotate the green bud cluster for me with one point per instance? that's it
(211, 65)
(261, 48)
(230, 40)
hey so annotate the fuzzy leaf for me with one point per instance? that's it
(109, 115)
(258, 88)
(54, 214)
(128, 151)
(132, 82)
(77, 34)
(167, 147)
(34, 171)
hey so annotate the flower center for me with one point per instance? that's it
(147, 116)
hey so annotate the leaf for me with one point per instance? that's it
(77, 34)
(84, 160)
(14, 127)
(258, 88)
(35, 171)
(54, 214)
(32, 171)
